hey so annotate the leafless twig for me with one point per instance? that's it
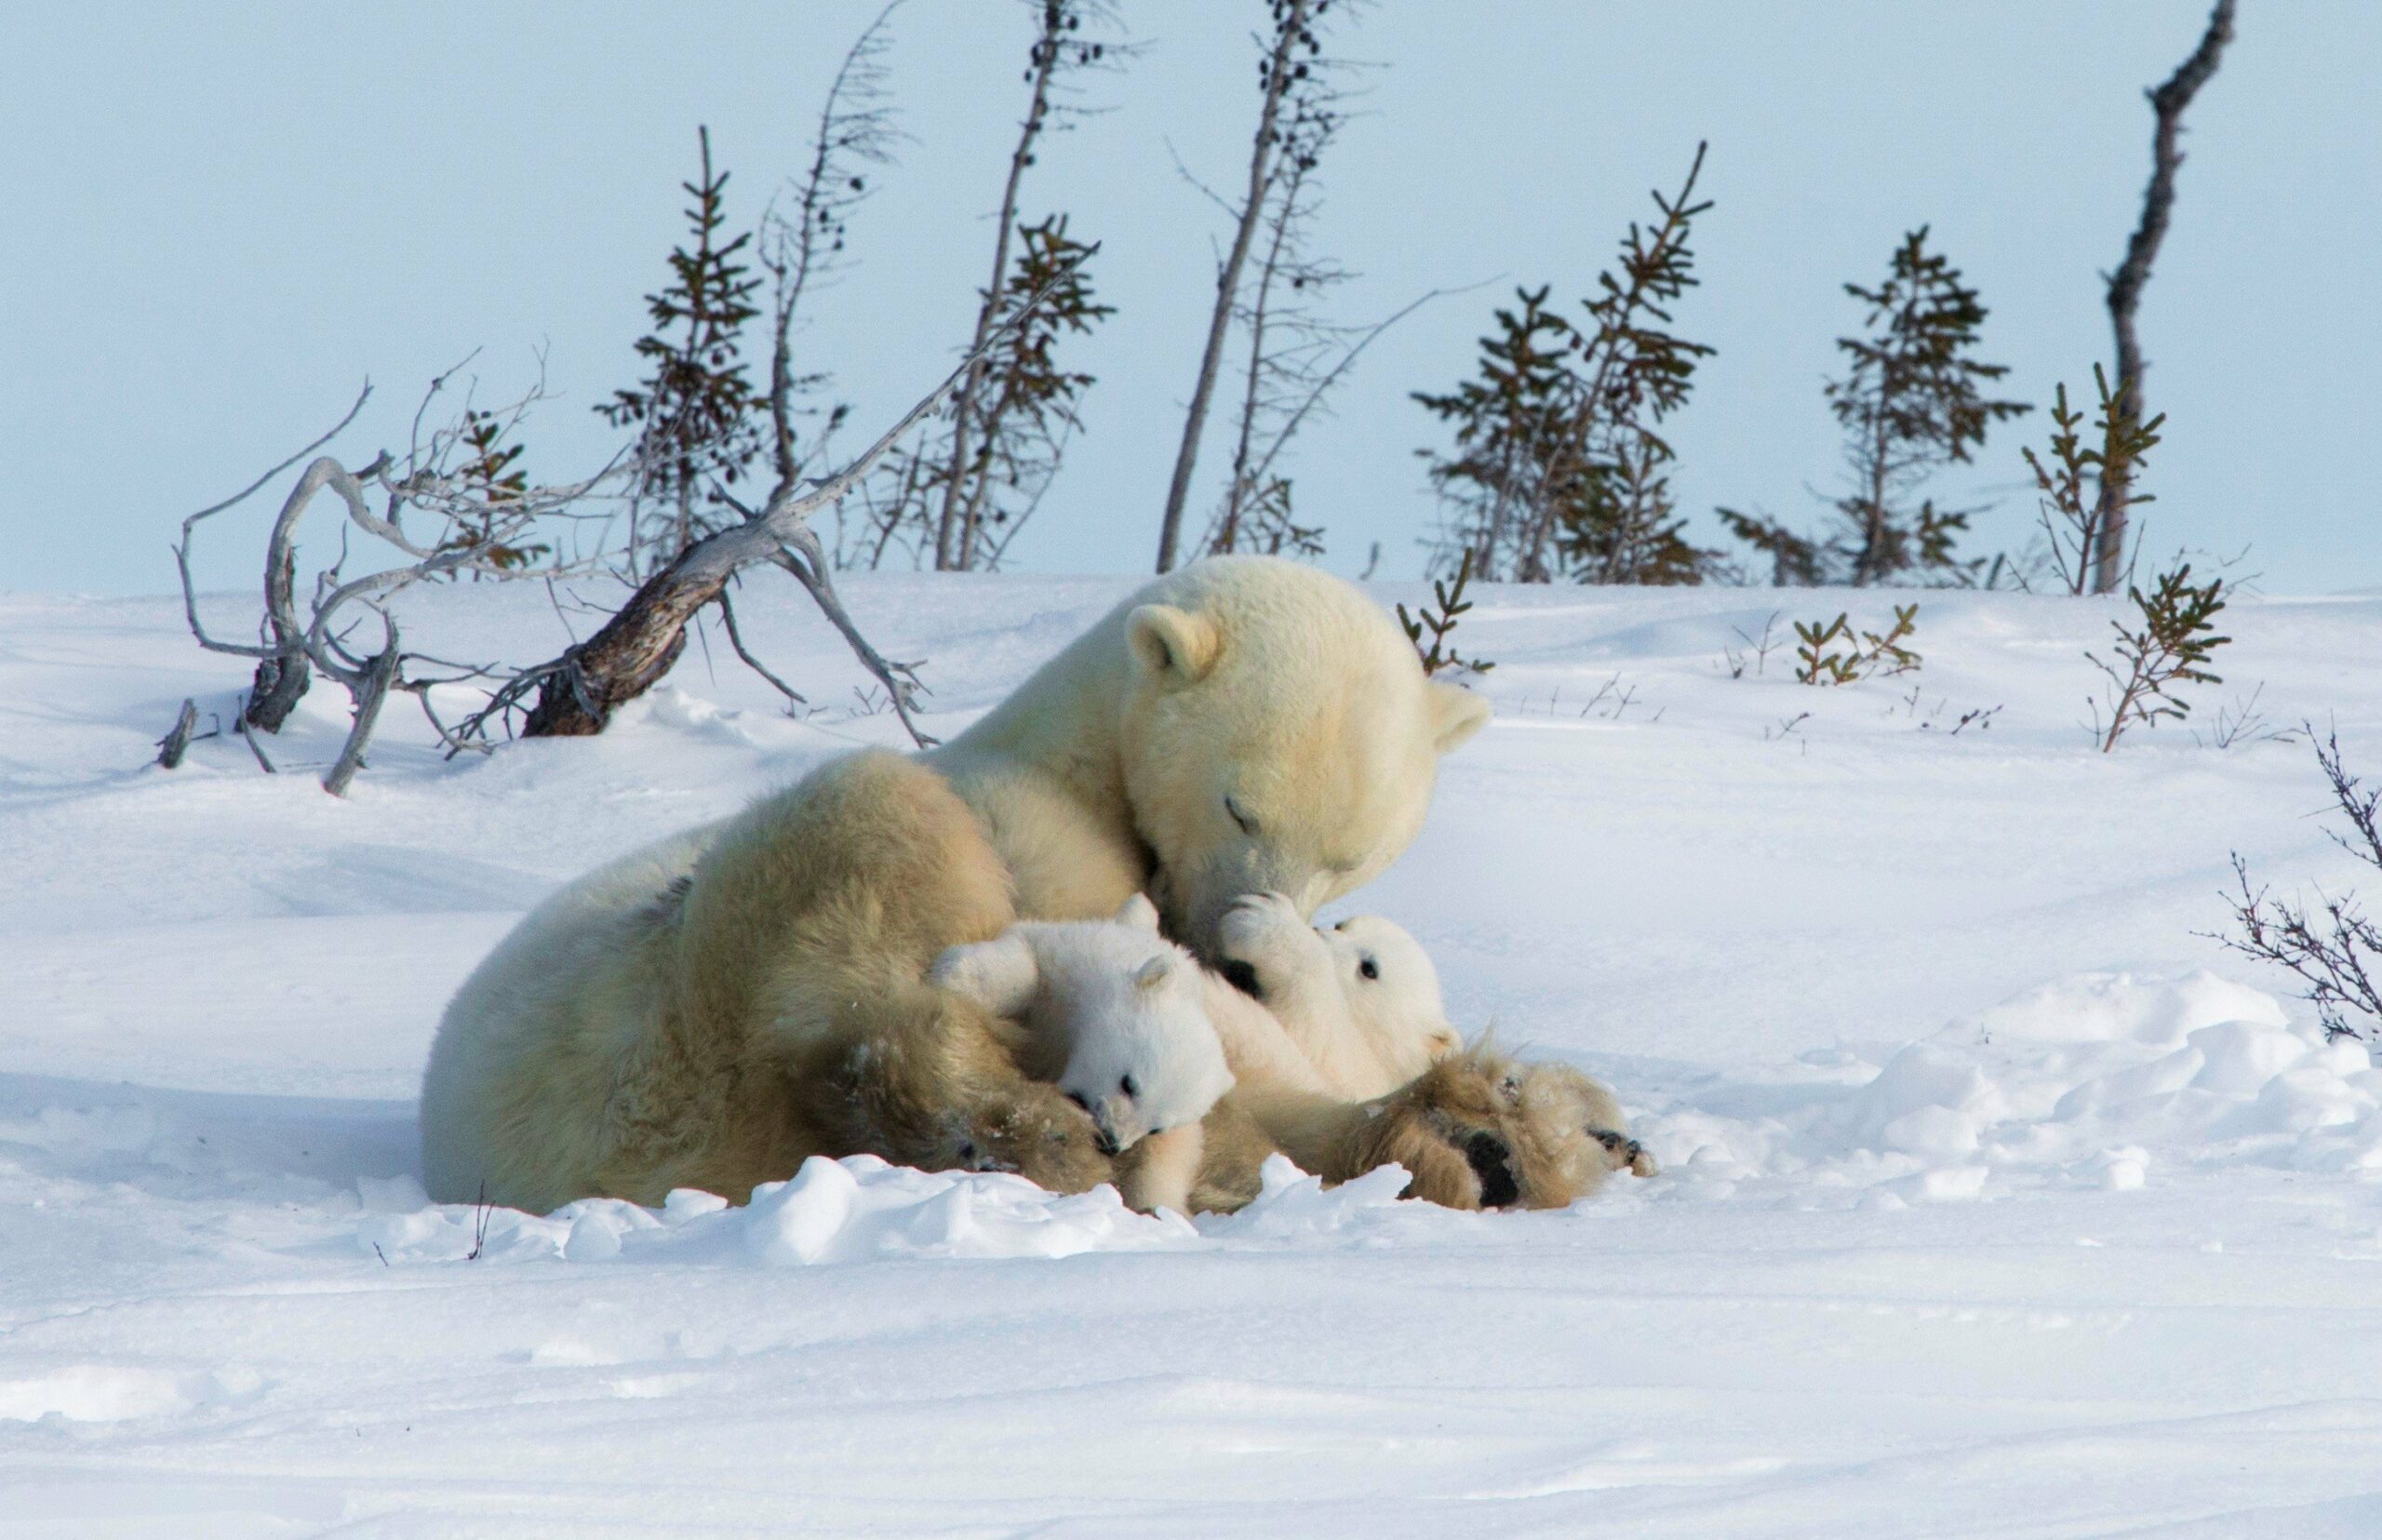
(2333, 947)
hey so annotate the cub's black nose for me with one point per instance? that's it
(1104, 1141)
(1241, 976)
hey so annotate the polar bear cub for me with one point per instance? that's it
(1145, 1040)
(1361, 1002)
(1116, 1017)
(1361, 999)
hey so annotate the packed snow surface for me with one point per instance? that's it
(1998, 1200)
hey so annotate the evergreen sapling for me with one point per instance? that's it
(1911, 405)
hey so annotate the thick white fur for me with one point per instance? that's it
(1241, 677)
(1114, 1017)
(712, 1011)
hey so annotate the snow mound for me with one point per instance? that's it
(2090, 1080)
(831, 1210)
(861, 1209)
(1291, 1205)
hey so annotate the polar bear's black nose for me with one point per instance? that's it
(1105, 1142)
(1244, 977)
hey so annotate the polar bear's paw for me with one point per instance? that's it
(1627, 1153)
(1033, 1131)
(1264, 943)
(1480, 1131)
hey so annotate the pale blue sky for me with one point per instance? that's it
(220, 219)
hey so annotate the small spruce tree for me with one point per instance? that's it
(2072, 518)
(1559, 466)
(1028, 407)
(2168, 647)
(1509, 420)
(695, 411)
(1911, 404)
(495, 489)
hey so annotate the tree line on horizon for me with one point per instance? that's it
(1553, 464)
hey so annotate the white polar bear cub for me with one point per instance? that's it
(1116, 1017)
(1361, 999)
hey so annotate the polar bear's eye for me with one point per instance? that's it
(1370, 968)
(1077, 1097)
(1129, 1088)
(1248, 825)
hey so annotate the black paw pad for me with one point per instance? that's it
(1492, 1163)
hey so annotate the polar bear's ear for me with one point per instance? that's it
(1139, 913)
(1174, 646)
(999, 975)
(1456, 714)
(1152, 974)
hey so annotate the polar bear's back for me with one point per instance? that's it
(527, 1030)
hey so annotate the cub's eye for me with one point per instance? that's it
(1129, 1088)
(1077, 1097)
(1369, 968)
(1248, 825)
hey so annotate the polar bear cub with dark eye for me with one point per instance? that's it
(1115, 1016)
(1361, 998)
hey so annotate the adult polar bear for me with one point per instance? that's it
(711, 1010)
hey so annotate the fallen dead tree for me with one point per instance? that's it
(577, 692)
(295, 644)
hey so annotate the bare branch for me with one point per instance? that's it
(736, 640)
(1263, 159)
(181, 550)
(247, 732)
(901, 680)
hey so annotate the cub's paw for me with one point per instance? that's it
(1263, 943)
(1037, 1133)
(1480, 1131)
(1625, 1153)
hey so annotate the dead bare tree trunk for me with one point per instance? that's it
(627, 657)
(2167, 104)
(949, 528)
(280, 680)
(176, 743)
(1264, 153)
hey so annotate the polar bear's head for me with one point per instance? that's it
(1393, 993)
(1114, 1009)
(1279, 735)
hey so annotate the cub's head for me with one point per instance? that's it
(1123, 1003)
(1277, 735)
(1393, 992)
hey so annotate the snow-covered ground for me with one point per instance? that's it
(1998, 1200)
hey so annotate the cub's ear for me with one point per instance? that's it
(1174, 646)
(1139, 913)
(1456, 714)
(1152, 974)
(999, 975)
